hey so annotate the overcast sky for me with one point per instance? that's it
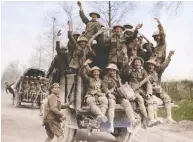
(22, 22)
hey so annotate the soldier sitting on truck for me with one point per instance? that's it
(110, 85)
(37, 89)
(25, 88)
(32, 91)
(152, 70)
(95, 98)
(134, 74)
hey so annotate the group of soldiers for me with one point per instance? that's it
(128, 60)
(33, 87)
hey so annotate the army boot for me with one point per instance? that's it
(152, 121)
(169, 113)
(111, 115)
(100, 116)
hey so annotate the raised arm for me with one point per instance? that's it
(134, 35)
(165, 64)
(83, 69)
(70, 36)
(161, 32)
(82, 15)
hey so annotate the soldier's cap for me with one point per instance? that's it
(98, 15)
(76, 33)
(151, 61)
(31, 77)
(82, 38)
(129, 30)
(128, 26)
(138, 58)
(112, 66)
(63, 48)
(114, 27)
(26, 77)
(156, 33)
(42, 84)
(32, 82)
(145, 44)
(95, 68)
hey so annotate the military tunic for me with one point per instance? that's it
(92, 27)
(78, 53)
(53, 116)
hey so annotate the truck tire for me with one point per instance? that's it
(69, 134)
(122, 135)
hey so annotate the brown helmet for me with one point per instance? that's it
(95, 68)
(128, 26)
(98, 15)
(112, 66)
(138, 58)
(151, 61)
(118, 26)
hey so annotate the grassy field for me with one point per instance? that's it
(184, 112)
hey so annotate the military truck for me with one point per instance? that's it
(18, 87)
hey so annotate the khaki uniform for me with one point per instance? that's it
(92, 27)
(160, 49)
(32, 92)
(108, 86)
(79, 55)
(134, 77)
(53, 116)
(25, 89)
(94, 96)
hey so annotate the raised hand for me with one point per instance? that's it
(157, 20)
(171, 53)
(88, 61)
(79, 4)
(138, 26)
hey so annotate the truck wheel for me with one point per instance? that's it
(69, 134)
(122, 135)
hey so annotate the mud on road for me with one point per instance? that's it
(23, 125)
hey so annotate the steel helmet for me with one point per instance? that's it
(112, 66)
(156, 33)
(95, 68)
(96, 13)
(151, 61)
(82, 39)
(76, 33)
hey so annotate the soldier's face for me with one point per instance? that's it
(157, 38)
(94, 16)
(118, 30)
(151, 67)
(96, 73)
(112, 73)
(56, 89)
(82, 44)
(137, 64)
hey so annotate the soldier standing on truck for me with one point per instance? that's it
(110, 83)
(95, 98)
(59, 64)
(52, 115)
(79, 50)
(152, 70)
(10, 89)
(118, 49)
(92, 26)
(134, 74)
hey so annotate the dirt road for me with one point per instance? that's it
(23, 125)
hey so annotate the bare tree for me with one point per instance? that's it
(113, 12)
(171, 8)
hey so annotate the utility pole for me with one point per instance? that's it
(109, 14)
(53, 30)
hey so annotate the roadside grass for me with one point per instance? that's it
(184, 112)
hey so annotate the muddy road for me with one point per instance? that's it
(23, 125)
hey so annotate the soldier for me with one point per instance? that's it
(152, 70)
(10, 89)
(134, 74)
(92, 26)
(53, 116)
(32, 91)
(59, 64)
(70, 44)
(38, 90)
(118, 48)
(159, 37)
(79, 51)
(94, 95)
(25, 88)
(110, 84)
